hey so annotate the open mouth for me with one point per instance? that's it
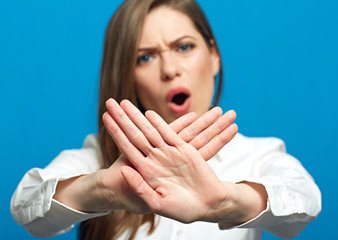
(179, 98)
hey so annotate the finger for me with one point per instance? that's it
(140, 187)
(135, 136)
(142, 123)
(179, 124)
(216, 128)
(125, 146)
(211, 148)
(200, 124)
(168, 135)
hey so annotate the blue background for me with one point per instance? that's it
(281, 74)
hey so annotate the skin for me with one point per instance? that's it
(163, 168)
(176, 55)
(106, 189)
(171, 176)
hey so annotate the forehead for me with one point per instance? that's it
(166, 24)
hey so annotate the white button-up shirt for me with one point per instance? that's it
(293, 198)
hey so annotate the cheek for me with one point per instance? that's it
(204, 74)
(205, 83)
(202, 64)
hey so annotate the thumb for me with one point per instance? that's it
(140, 187)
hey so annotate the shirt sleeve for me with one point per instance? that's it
(294, 199)
(32, 204)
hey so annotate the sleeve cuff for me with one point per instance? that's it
(69, 216)
(59, 219)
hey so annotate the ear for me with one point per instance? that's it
(215, 58)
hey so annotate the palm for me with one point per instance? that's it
(168, 170)
(179, 183)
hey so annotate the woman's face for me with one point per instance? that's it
(175, 68)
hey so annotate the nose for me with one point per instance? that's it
(169, 66)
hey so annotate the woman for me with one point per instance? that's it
(162, 56)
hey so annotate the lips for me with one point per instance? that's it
(179, 100)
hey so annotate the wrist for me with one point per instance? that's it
(226, 208)
(238, 203)
(68, 192)
(102, 192)
(254, 198)
(86, 193)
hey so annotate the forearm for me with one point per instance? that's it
(101, 191)
(86, 194)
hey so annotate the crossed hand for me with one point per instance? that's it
(164, 165)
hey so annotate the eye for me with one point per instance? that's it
(185, 47)
(144, 58)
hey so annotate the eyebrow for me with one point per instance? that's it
(171, 44)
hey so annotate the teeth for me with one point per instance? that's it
(179, 99)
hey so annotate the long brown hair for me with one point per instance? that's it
(117, 81)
